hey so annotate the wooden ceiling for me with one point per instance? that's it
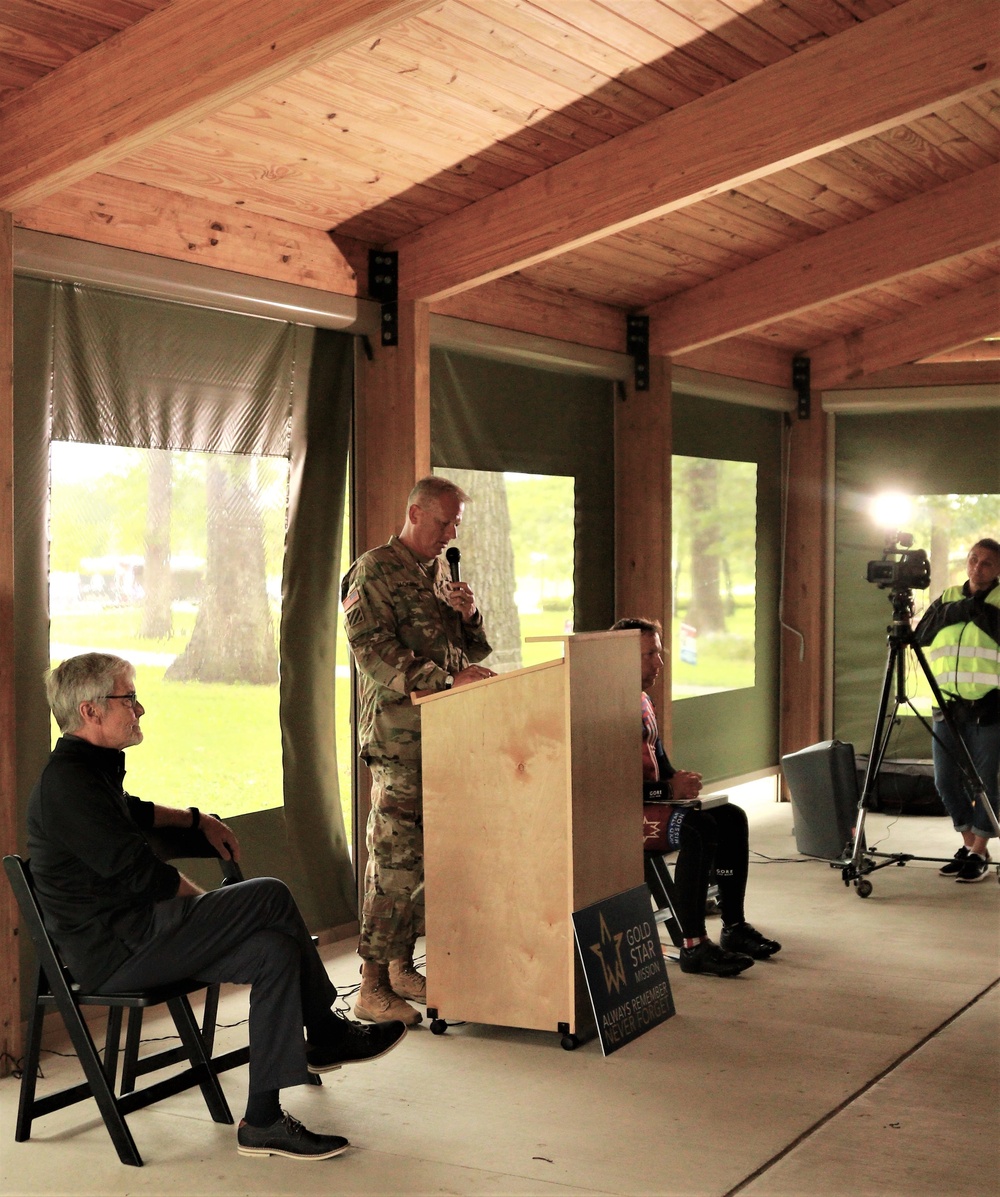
(762, 177)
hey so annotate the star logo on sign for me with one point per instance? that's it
(609, 951)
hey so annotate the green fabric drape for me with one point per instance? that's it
(310, 624)
(118, 369)
(488, 415)
(156, 375)
(736, 732)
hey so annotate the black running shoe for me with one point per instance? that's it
(353, 1044)
(954, 866)
(708, 958)
(974, 869)
(748, 940)
(288, 1137)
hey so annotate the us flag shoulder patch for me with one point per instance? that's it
(351, 599)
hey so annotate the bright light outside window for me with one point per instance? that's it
(714, 574)
(173, 561)
(517, 544)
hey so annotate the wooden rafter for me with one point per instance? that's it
(926, 53)
(936, 327)
(166, 71)
(950, 220)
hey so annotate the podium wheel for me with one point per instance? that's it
(438, 1026)
(569, 1042)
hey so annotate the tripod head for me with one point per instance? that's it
(902, 609)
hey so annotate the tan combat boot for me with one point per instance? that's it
(406, 981)
(376, 1002)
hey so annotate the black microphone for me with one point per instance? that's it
(453, 557)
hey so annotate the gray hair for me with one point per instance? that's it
(89, 677)
(434, 487)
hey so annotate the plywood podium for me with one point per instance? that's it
(532, 786)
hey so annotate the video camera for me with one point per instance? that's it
(901, 567)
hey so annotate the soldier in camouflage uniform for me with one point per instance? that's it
(412, 631)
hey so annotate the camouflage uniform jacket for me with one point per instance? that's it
(404, 637)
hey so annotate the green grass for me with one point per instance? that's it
(214, 746)
(724, 663)
(118, 628)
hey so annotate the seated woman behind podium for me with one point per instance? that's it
(717, 838)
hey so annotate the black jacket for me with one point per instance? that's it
(95, 874)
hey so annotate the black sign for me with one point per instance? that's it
(623, 963)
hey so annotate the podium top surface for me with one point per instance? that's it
(487, 681)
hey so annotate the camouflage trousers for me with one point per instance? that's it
(392, 915)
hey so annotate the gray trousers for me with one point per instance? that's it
(250, 933)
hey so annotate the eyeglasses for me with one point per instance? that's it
(130, 699)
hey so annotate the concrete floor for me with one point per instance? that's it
(861, 1060)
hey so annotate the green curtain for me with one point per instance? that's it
(736, 731)
(489, 415)
(101, 367)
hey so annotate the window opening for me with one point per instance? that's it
(173, 560)
(714, 561)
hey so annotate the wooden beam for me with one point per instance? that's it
(978, 351)
(742, 358)
(803, 589)
(127, 215)
(881, 73)
(10, 991)
(944, 324)
(168, 70)
(951, 220)
(941, 374)
(643, 528)
(522, 307)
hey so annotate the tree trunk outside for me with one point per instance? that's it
(488, 561)
(156, 614)
(233, 638)
(706, 611)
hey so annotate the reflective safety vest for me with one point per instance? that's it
(963, 658)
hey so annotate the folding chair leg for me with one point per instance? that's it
(112, 1042)
(208, 1082)
(93, 1069)
(29, 1077)
(209, 1017)
(130, 1057)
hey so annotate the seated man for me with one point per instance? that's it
(122, 919)
(705, 839)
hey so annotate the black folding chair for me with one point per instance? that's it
(55, 987)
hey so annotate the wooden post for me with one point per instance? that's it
(10, 995)
(643, 447)
(392, 434)
(802, 643)
(392, 449)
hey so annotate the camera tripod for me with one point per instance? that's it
(863, 860)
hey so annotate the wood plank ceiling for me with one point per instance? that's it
(763, 177)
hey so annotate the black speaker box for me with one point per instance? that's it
(823, 783)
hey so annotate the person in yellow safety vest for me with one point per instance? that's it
(961, 633)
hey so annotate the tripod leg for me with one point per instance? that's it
(880, 740)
